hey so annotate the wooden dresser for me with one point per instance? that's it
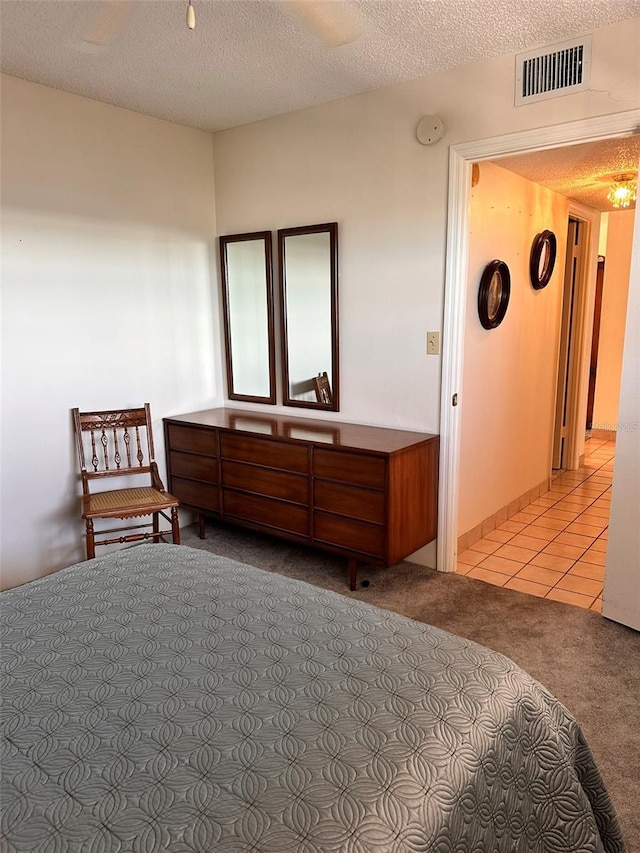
(365, 492)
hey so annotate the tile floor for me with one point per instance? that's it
(555, 547)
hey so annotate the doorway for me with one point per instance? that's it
(460, 162)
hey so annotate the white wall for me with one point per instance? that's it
(510, 372)
(108, 300)
(615, 290)
(106, 210)
(357, 161)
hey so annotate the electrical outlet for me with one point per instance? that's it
(433, 343)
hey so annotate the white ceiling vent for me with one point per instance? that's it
(552, 72)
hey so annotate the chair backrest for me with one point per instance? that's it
(115, 443)
(322, 388)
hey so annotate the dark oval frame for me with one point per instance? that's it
(540, 278)
(496, 266)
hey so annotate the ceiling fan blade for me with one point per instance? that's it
(336, 22)
(108, 22)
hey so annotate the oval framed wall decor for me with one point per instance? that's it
(493, 294)
(542, 259)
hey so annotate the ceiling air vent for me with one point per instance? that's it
(550, 73)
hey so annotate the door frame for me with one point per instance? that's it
(582, 327)
(461, 158)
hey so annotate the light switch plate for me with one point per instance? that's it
(433, 343)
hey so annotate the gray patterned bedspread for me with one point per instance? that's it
(164, 699)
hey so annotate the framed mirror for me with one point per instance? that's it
(308, 266)
(542, 259)
(493, 294)
(247, 296)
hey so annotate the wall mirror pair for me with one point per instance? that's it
(308, 316)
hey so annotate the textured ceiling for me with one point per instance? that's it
(583, 173)
(250, 59)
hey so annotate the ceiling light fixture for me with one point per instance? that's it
(623, 191)
(191, 16)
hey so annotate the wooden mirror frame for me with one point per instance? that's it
(544, 241)
(488, 320)
(333, 403)
(224, 242)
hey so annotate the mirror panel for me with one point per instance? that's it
(247, 296)
(308, 265)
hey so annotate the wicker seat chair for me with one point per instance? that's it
(119, 444)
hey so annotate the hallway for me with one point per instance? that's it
(556, 546)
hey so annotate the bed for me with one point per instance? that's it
(166, 699)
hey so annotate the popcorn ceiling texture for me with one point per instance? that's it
(584, 173)
(251, 59)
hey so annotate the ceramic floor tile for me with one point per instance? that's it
(526, 517)
(488, 576)
(556, 546)
(567, 538)
(596, 512)
(568, 597)
(591, 530)
(560, 490)
(502, 565)
(521, 540)
(485, 546)
(513, 526)
(543, 534)
(511, 552)
(571, 503)
(559, 550)
(498, 535)
(556, 524)
(521, 585)
(587, 570)
(563, 514)
(538, 574)
(596, 558)
(471, 558)
(576, 583)
(552, 561)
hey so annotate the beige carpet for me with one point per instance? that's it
(591, 665)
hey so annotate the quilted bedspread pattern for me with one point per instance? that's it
(164, 699)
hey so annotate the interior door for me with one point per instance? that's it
(595, 341)
(568, 299)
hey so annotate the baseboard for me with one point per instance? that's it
(490, 523)
(606, 434)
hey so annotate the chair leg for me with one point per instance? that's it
(175, 526)
(91, 548)
(156, 526)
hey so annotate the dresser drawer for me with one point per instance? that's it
(283, 516)
(262, 481)
(265, 451)
(348, 500)
(346, 533)
(192, 439)
(356, 468)
(193, 466)
(200, 495)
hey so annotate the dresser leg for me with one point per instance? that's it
(201, 526)
(353, 572)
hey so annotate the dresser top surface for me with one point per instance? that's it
(333, 434)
